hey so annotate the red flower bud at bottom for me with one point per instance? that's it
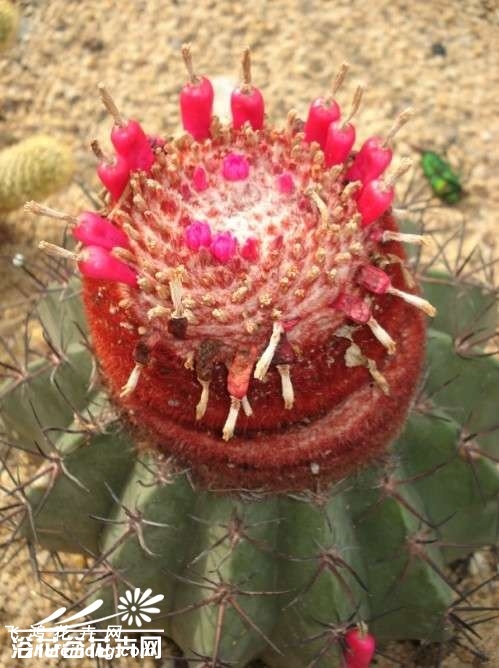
(360, 648)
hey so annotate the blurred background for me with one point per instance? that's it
(440, 57)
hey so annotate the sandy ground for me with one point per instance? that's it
(441, 57)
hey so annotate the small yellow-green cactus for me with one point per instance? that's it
(33, 169)
(9, 23)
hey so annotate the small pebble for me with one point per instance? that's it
(438, 49)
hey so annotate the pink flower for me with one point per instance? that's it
(235, 167)
(223, 246)
(285, 183)
(197, 234)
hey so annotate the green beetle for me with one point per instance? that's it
(443, 180)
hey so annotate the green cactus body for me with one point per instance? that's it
(279, 575)
(270, 534)
(9, 24)
(33, 169)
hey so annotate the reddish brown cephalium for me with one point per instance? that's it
(249, 350)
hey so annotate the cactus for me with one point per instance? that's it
(9, 24)
(33, 168)
(269, 447)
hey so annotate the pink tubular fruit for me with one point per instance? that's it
(94, 230)
(196, 101)
(196, 105)
(114, 176)
(371, 161)
(339, 142)
(374, 200)
(320, 116)
(97, 263)
(247, 107)
(132, 144)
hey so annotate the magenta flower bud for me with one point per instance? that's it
(197, 234)
(235, 167)
(223, 247)
(251, 250)
(199, 179)
(360, 648)
(285, 183)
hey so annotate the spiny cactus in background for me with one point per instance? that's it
(9, 24)
(33, 168)
(260, 338)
